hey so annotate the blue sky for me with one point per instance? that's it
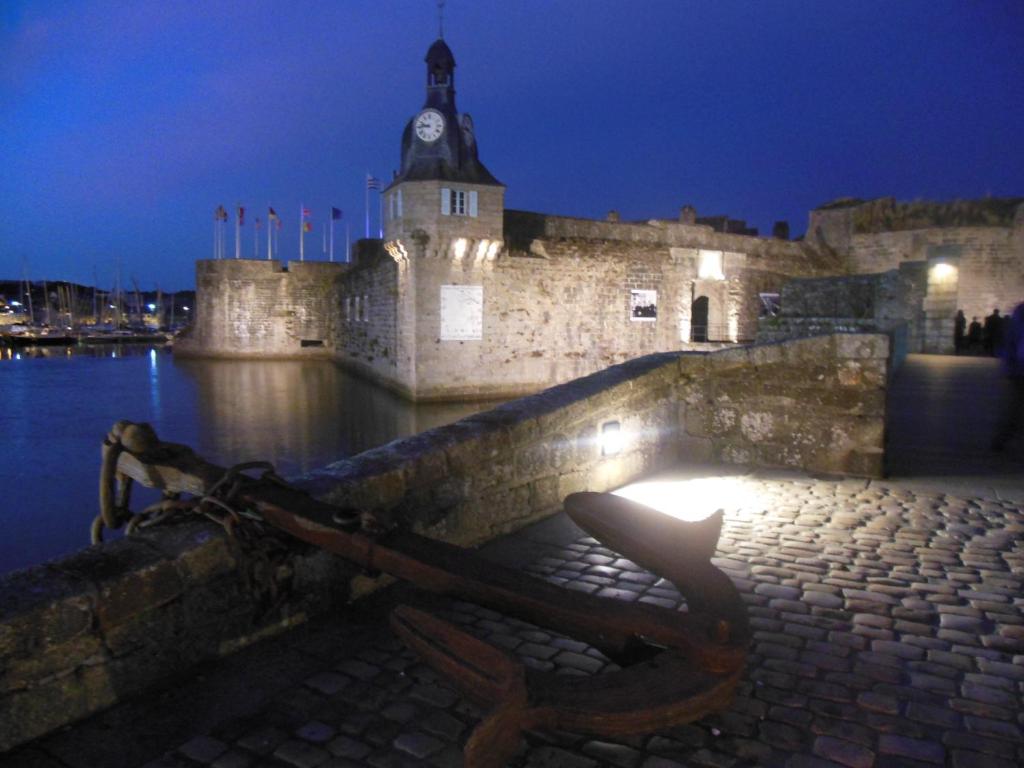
(123, 125)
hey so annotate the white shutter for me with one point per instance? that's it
(446, 201)
(472, 203)
(398, 203)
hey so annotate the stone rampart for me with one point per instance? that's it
(252, 308)
(80, 633)
(878, 303)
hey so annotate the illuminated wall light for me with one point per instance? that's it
(492, 251)
(481, 250)
(611, 438)
(943, 272)
(460, 247)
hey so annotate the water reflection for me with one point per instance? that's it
(300, 415)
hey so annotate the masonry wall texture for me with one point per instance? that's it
(982, 240)
(556, 300)
(887, 302)
(252, 308)
(83, 632)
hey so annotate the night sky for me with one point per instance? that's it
(124, 124)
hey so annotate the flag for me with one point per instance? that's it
(272, 216)
(336, 214)
(372, 182)
(307, 227)
(306, 214)
(241, 215)
(220, 214)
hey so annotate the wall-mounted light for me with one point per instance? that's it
(943, 272)
(611, 438)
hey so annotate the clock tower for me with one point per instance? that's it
(443, 193)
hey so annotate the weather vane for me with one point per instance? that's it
(440, 19)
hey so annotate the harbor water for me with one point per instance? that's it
(56, 406)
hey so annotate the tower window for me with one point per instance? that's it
(458, 202)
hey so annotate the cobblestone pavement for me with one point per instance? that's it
(889, 631)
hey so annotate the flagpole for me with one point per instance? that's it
(325, 238)
(332, 235)
(380, 214)
(366, 205)
(255, 240)
(215, 223)
(348, 243)
(302, 234)
(238, 234)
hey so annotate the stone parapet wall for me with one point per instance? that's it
(816, 404)
(521, 227)
(876, 303)
(83, 632)
(249, 307)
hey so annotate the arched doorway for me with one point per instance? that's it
(699, 319)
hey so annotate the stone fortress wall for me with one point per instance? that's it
(971, 254)
(555, 296)
(256, 308)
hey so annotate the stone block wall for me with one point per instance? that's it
(816, 404)
(80, 633)
(372, 307)
(854, 303)
(251, 308)
(83, 632)
(556, 300)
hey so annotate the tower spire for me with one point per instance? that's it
(440, 19)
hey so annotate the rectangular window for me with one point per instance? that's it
(366, 308)
(458, 202)
(398, 203)
(348, 309)
(391, 205)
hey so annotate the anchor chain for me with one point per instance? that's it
(264, 555)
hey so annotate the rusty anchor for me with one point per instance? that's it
(674, 667)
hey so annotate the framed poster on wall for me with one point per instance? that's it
(643, 305)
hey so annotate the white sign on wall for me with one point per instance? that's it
(462, 312)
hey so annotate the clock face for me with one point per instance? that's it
(429, 125)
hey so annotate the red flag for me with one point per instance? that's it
(306, 213)
(307, 227)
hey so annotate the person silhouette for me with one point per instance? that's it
(973, 336)
(991, 331)
(1012, 354)
(959, 332)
